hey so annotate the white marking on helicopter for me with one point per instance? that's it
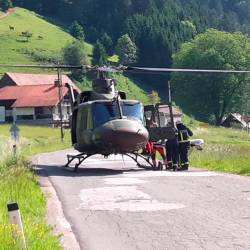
(124, 198)
(123, 181)
(170, 174)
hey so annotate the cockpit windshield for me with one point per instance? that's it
(133, 111)
(104, 112)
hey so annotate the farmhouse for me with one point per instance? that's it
(236, 120)
(35, 98)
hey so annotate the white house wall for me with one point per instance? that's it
(25, 111)
(2, 114)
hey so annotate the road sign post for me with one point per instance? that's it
(14, 133)
(15, 219)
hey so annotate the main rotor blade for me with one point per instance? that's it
(162, 70)
(49, 66)
(122, 68)
(109, 69)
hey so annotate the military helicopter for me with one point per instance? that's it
(105, 122)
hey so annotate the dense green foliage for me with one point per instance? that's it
(5, 4)
(99, 54)
(158, 27)
(107, 43)
(211, 96)
(126, 50)
(76, 30)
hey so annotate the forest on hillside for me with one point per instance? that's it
(158, 27)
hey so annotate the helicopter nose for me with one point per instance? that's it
(125, 135)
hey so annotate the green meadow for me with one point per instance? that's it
(44, 46)
(226, 150)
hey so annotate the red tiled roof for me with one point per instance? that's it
(39, 79)
(35, 79)
(32, 96)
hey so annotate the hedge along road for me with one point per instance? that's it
(111, 204)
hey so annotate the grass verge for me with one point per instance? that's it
(18, 183)
(226, 150)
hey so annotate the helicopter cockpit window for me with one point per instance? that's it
(104, 112)
(133, 110)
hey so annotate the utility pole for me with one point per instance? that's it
(59, 82)
(170, 104)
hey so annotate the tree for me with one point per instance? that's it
(126, 50)
(211, 96)
(74, 54)
(154, 97)
(5, 4)
(99, 54)
(76, 30)
(107, 43)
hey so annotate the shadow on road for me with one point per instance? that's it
(49, 170)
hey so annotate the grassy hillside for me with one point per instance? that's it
(44, 46)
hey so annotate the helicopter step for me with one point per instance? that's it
(80, 157)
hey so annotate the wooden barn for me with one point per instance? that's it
(34, 98)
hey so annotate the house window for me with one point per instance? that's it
(24, 117)
(43, 113)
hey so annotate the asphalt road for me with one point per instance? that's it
(113, 205)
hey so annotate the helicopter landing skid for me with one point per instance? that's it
(145, 158)
(80, 157)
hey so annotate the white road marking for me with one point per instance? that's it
(169, 174)
(124, 198)
(123, 181)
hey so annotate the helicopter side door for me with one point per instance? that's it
(73, 126)
(84, 125)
